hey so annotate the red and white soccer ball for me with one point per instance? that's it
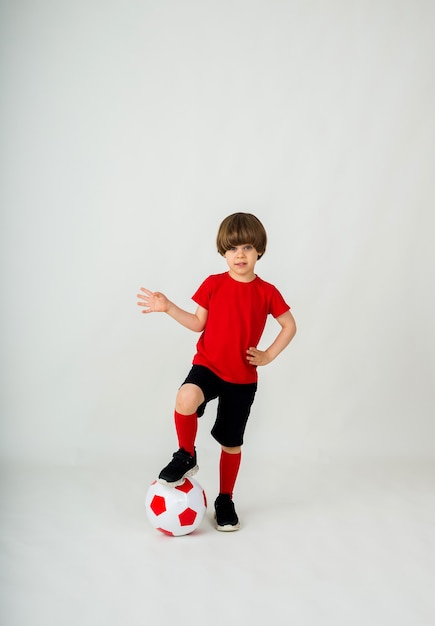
(176, 510)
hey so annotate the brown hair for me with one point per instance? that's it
(240, 228)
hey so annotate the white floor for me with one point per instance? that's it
(320, 544)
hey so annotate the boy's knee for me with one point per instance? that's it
(189, 397)
(232, 450)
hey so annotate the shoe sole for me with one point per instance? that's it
(228, 528)
(180, 481)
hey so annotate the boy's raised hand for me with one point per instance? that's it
(152, 302)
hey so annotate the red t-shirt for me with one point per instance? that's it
(237, 314)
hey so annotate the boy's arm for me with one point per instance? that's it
(288, 330)
(194, 321)
(156, 302)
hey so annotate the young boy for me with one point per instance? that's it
(231, 314)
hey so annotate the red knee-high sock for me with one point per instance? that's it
(228, 470)
(186, 427)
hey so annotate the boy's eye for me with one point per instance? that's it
(247, 247)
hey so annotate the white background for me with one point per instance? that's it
(129, 130)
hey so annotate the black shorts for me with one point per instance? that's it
(234, 404)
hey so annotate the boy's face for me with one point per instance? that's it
(241, 261)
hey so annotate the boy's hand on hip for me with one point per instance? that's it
(257, 357)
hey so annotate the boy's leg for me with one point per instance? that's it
(226, 516)
(186, 427)
(183, 462)
(229, 468)
(234, 406)
(189, 397)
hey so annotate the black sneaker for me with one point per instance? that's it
(182, 465)
(225, 513)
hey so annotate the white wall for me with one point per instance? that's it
(130, 129)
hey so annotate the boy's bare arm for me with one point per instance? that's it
(286, 334)
(157, 302)
(194, 321)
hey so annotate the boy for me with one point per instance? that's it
(231, 314)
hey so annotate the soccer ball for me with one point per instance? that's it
(178, 510)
